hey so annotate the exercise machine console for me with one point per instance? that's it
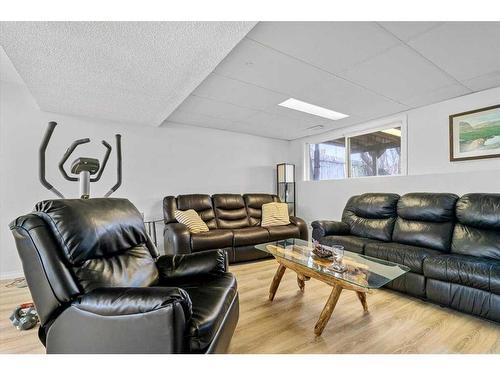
(86, 169)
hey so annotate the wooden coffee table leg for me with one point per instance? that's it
(301, 281)
(362, 298)
(327, 310)
(276, 281)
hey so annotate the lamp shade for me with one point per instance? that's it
(286, 172)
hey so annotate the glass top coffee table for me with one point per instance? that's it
(362, 273)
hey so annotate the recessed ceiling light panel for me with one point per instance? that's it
(312, 109)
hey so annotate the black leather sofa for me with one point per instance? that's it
(100, 286)
(450, 244)
(233, 221)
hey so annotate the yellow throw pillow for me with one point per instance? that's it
(274, 214)
(192, 220)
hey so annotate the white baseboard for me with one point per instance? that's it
(11, 275)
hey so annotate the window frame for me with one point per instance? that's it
(371, 127)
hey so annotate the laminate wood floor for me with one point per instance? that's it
(396, 323)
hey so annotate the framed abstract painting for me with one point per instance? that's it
(475, 134)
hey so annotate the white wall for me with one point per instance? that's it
(157, 162)
(428, 164)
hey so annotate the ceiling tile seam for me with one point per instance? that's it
(211, 116)
(251, 83)
(425, 57)
(433, 92)
(230, 131)
(440, 24)
(252, 108)
(328, 72)
(481, 76)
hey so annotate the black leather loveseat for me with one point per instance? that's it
(233, 221)
(99, 285)
(450, 244)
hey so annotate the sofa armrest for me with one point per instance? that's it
(127, 301)
(322, 228)
(177, 239)
(193, 267)
(304, 232)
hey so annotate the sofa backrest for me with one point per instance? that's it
(201, 203)
(103, 241)
(371, 215)
(477, 231)
(254, 204)
(230, 211)
(425, 219)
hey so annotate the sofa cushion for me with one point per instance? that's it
(250, 236)
(466, 270)
(478, 230)
(371, 215)
(210, 304)
(283, 232)
(230, 211)
(425, 219)
(479, 210)
(464, 298)
(213, 239)
(254, 204)
(350, 243)
(407, 255)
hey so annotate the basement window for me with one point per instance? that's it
(373, 153)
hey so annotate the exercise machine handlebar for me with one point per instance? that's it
(104, 161)
(41, 164)
(118, 139)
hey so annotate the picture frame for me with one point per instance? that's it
(475, 134)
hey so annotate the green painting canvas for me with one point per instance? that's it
(476, 135)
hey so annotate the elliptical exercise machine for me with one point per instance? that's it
(25, 316)
(82, 167)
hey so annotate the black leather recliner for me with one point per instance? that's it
(100, 286)
(450, 244)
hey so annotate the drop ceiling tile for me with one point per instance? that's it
(209, 107)
(342, 96)
(443, 93)
(463, 49)
(333, 46)
(399, 73)
(195, 119)
(260, 126)
(486, 81)
(236, 92)
(408, 30)
(262, 66)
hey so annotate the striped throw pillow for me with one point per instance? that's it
(192, 220)
(274, 214)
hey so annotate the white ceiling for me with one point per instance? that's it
(122, 71)
(141, 72)
(365, 69)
